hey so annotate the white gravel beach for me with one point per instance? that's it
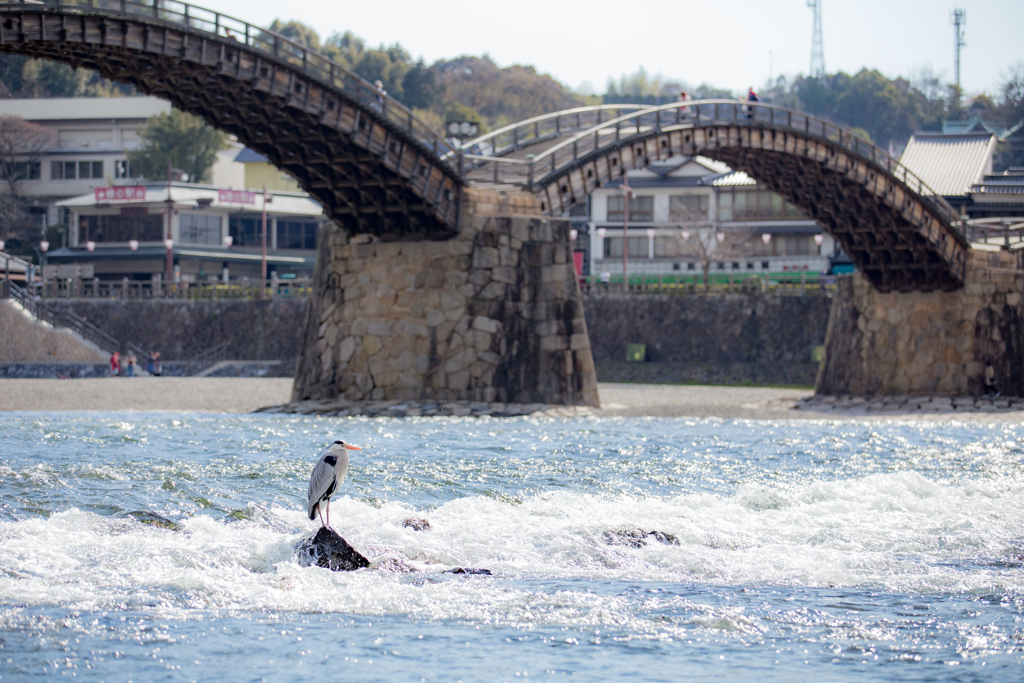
(244, 395)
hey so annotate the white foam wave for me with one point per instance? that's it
(898, 532)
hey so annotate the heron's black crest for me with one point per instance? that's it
(331, 460)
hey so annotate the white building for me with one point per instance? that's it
(92, 136)
(687, 201)
(213, 233)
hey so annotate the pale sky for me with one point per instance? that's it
(726, 44)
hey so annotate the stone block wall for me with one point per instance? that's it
(714, 328)
(492, 315)
(965, 342)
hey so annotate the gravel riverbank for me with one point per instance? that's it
(245, 394)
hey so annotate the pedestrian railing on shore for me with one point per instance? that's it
(132, 289)
(38, 309)
(803, 284)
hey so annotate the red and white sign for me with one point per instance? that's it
(236, 197)
(127, 193)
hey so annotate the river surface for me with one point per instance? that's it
(805, 551)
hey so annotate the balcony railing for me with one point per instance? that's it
(131, 289)
(803, 284)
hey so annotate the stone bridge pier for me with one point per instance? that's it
(493, 314)
(964, 342)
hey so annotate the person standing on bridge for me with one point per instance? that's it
(379, 95)
(684, 110)
(751, 97)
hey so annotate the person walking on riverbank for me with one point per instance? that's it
(132, 361)
(115, 364)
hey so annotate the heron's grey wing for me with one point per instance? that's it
(319, 482)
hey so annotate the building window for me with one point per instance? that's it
(90, 169)
(122, 228)
(76, 170)
(792, 245)
(670, 246)
(122, 169)
(688, 207)
(22, 170)
(247, 232)
(199, 229)
(296, 234)
(738, 205)
(637, 247)
(641, 209)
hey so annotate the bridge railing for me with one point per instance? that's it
(545, 127)
(540, 169)
(997, 232)
(270, 44)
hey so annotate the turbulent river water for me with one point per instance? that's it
(815, 551)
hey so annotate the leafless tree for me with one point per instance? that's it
(21, 146)
(704, 239)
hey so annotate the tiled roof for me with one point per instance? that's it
(949, 164)
(250, 156)
(661, 181)
(282, 203)
(733, 178)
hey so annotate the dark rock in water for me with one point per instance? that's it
(153, 519)
(416, 524)
(662, 537)
(329, 550)
(467, 570)
(637, 538)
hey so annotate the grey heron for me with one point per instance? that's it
(328, 472)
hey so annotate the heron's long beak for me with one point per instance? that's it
(353, 448)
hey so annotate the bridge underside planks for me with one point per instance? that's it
(891, 235)
(370, 177)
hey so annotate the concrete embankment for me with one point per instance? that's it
(253, 329)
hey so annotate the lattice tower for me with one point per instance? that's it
(958, 18)
(817, 46)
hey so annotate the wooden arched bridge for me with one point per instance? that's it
(377, 169)
(373, 165)
(898, 232)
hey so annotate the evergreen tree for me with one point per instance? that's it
(184, 141)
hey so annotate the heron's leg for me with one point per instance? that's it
(328, 501)
(321, 513)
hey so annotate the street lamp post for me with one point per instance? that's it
(44, 246)
(169, 240)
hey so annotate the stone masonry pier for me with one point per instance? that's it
(493, 314)
(967, 342)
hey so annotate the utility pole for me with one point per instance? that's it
(817, 45)
(263, 264)
(958, 18)
(626, 194)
